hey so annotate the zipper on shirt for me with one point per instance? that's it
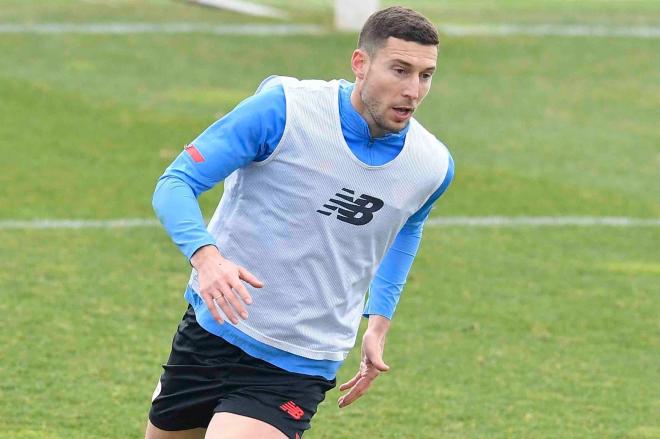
(369, 150)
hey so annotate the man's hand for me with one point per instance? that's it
(221, 283)
(371, 365)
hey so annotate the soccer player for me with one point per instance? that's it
(327, 187)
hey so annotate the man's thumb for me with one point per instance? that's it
(373, 351)
(380, 364)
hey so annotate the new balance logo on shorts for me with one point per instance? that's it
(358, 211)
(292, 409)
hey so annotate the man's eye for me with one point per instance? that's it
(426, 76)
(399, 70)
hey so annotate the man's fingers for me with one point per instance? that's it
(221, 301)
(243, 292)
(234, 301)
(360, 389)
(211, 306)
(358, 385)
(350, 383)
(249, 277)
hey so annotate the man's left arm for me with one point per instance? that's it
(384, 295)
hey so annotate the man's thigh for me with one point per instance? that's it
(231, 426)
(154, 432)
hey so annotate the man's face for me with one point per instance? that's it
(392, 83)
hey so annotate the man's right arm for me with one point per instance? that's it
(249, 132)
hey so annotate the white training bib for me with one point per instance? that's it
(313, 223)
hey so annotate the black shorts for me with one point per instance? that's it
(205, 375)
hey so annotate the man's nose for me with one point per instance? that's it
(411, 89)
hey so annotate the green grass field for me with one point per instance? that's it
(527, 332)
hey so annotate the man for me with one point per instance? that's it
(327, 186)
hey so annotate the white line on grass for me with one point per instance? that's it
(160, 28)
(77, 224)
(485, 29)
(451, 221)
(544, 30)
(538, 221)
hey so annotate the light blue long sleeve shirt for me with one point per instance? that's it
(249, 133)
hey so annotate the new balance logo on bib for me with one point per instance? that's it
(358, 211)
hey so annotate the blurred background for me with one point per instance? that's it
(532, 308)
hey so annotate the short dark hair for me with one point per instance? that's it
(397, 22)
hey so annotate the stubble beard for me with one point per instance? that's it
(372, 106)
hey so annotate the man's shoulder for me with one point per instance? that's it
(437, 157)
(289, 82)
(429, 138)
(267, 100)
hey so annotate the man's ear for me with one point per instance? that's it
(359, 63)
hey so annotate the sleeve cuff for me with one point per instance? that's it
(190, 248)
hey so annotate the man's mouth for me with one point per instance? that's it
(403, 111)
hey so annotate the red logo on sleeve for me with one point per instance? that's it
(292, 409)
(194, 153)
